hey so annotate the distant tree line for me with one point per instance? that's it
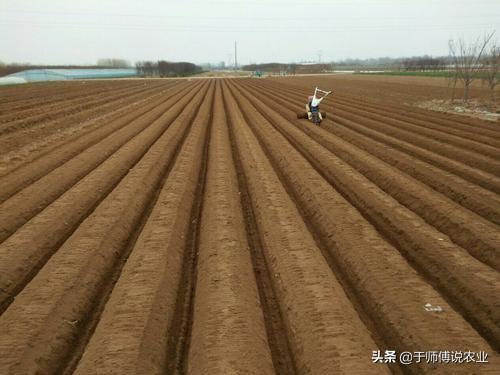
(114, 63)
(416, 63)
(423, 64)
(268, 67)
(413, 63)
(288, 69)
(211, 66)
(166, 69)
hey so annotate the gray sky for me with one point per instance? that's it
(60, 32)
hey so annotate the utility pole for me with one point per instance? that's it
(235, 56)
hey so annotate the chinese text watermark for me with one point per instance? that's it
(431, 357)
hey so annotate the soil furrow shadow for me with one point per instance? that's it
(7, 300)
(276, 332)
(88, 327)
(182, 322)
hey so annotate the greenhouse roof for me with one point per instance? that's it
(64, 74)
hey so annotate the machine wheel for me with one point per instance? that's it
(315, 118)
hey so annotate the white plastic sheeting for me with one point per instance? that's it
(36, 75)
(11, 80)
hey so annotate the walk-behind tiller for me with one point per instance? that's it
(313, 113)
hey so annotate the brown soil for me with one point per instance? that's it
(197, 226)
(431, 93)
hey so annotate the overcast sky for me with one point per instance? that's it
(71, 32)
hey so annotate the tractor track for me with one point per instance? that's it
(196, 226)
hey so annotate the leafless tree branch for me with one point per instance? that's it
(466, 58)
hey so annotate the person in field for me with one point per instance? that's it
(313, 102)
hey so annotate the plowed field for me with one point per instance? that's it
(199, 227)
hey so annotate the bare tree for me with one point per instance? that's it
(491, 65)
(466, 59)
(149, 68)
(452, 82)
